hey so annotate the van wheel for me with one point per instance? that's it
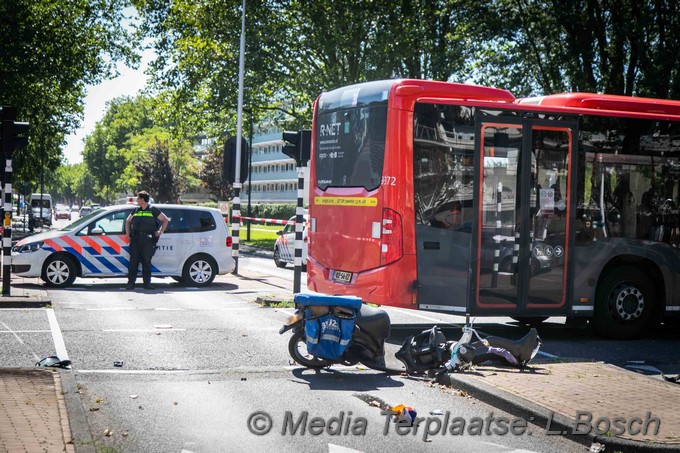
(624, 303)
(277, 258)
(59, 272)
(199, 270)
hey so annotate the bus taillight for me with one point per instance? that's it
(391, 237)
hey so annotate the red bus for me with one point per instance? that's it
(462, 199)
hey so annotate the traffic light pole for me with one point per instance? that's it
(8, 118)
(298, 147)
(299, 224)
(236, 207)
(7, 221)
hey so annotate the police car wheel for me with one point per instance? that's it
(59, 272)
(199, 270)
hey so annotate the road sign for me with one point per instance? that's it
(223, 207)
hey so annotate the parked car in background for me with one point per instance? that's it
(62, 212)
(194, 249)
(284, 248)
(41, 209)
(41, 216)
(85, 210)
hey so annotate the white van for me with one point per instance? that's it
(40, 205)
(194, 249)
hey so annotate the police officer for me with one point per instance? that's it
(141, 227)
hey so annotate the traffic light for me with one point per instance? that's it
(14, 133)
(230, 160)
(297, 145)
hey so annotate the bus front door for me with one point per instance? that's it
(522, 228)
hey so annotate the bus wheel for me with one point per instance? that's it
(533, 321)
(624, 303)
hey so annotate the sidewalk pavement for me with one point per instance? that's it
(549, 394)
(33, 412)
(553, 394)
(23, 297)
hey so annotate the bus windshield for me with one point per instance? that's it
(350, 137)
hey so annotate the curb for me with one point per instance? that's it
(24, 301)
(80, 428)
(541, 416)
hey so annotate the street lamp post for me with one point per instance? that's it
(250, 172)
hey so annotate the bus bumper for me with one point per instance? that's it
(392, 285)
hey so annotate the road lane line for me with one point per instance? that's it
(144, 330)
(410, 313)
(56, 335)
(23, 331)
(35, 356)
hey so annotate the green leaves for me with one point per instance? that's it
(50, 51)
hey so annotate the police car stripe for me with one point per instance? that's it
(126, 263)
(94, 245)
(74, 245)
(91, 251)
(113, 244)
(53, 245)
(84, 261)
(111, 266)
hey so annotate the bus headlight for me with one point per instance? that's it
(28, 248)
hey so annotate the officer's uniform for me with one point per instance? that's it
(142, 242)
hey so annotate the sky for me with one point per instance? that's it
(128, 83)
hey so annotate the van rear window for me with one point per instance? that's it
(189, 220)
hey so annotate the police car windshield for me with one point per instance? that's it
(81, 221)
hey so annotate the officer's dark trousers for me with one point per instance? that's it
(142, 249)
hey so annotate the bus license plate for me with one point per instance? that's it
(342, 276)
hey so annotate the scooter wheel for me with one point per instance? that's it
(297, 348)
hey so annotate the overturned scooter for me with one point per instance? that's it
(429, 350)
(331, 330)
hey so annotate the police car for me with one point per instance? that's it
(194, 249)
(284, 247)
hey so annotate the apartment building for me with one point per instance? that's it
(273, 175)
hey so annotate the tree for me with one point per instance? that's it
(50, 52)
(156, 173)
(212, 175)
(629, 47)
(294, 51)
(105, 148)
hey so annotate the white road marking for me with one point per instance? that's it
(144, 330)
(15, 332)
(410, 313)
(332, 448)
(58, 338)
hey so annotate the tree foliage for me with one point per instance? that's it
(50, 52)
(296, 49)
(628, 47)
(122, 152)
(212, 175)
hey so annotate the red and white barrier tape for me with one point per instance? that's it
(259, 219)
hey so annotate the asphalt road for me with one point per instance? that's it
(197, 365)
